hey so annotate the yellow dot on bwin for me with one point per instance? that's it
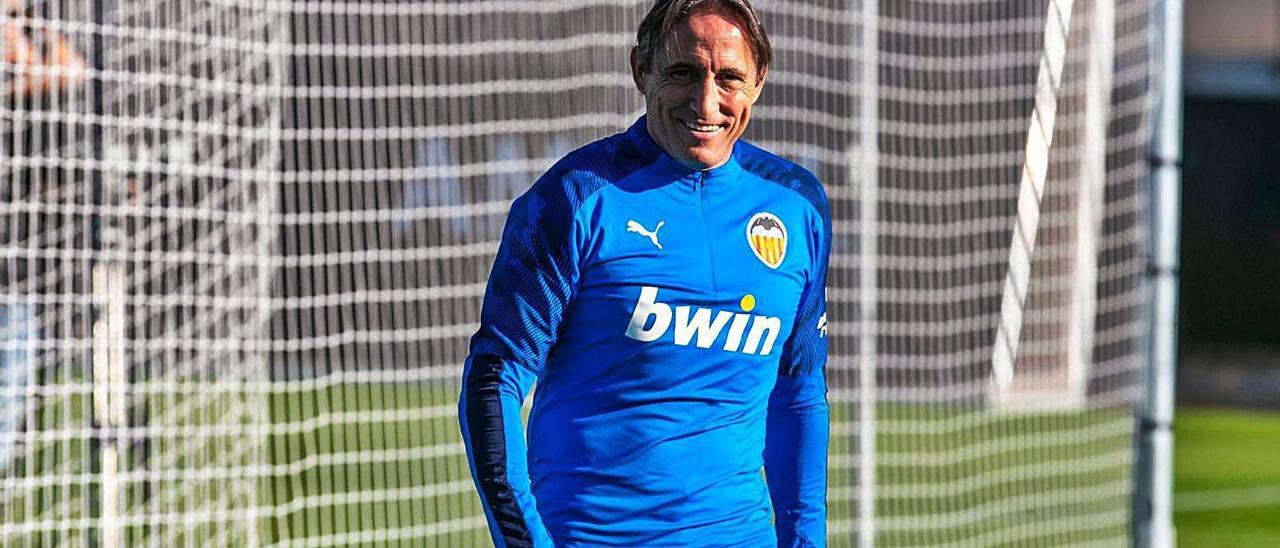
(748, 303)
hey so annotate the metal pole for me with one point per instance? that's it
(1090, 201)
(1153, 508)
(104, 457)
(107, 371)
(867, 265)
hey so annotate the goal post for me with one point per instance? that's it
(1026, 224)
(304, 200)
(1153, 500)
(1060, 378)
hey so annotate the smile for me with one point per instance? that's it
(701, 128)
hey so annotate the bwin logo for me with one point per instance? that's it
(696, 325)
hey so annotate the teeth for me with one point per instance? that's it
(698, 127)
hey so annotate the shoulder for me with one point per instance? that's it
(582, 173)
(778, 170)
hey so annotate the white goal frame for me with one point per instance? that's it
(1006, 391)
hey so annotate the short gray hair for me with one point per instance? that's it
(666, 14)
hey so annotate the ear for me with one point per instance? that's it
(635, 70)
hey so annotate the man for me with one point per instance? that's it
(665, 286)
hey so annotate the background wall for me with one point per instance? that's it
(1230, 294)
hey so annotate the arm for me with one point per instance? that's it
(797, 428)
(493, 390)
(796, 459)
(530, 287)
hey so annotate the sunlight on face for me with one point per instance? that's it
(699, 90)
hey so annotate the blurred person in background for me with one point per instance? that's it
(39, 65)
(41, 60)
(665, 287)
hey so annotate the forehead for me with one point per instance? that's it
(710, 36)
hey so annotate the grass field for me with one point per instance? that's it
(1227, 478)
(356, 464)
(378, 464)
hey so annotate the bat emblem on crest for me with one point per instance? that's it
(767, 237)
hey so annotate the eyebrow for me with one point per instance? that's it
(690, 66)
(682, 65)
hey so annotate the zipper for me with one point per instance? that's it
(699, 186)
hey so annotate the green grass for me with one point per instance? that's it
(970, 476)
(1221, 455)
(350, 463)
(409, 476)
(347, 465)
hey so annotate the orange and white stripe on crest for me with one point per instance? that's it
(767, 237)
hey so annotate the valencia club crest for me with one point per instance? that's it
(767, 237)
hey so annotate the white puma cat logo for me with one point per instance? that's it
(638, 228)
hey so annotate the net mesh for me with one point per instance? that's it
(246, 244)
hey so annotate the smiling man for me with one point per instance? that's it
(665, 288)
(699, 80)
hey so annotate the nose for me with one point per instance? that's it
(705, 99)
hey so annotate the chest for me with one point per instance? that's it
(712, 249)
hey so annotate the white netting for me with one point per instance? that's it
(140, 216)
(246, 245)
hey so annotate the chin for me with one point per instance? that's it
(704, 159)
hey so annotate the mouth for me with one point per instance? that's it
(702, 129)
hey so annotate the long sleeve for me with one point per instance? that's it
(530, 288)
(796, 459)
(489, 414)
(798, 422)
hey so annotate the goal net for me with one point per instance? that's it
(246, 242)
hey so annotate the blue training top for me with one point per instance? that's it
(675, 322)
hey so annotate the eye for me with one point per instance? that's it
(680, 73)
(732, 80)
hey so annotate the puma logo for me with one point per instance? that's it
(638, 228)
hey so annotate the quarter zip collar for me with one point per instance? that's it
(666, 165)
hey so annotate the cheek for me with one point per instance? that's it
(743, 109)
(663, 91)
